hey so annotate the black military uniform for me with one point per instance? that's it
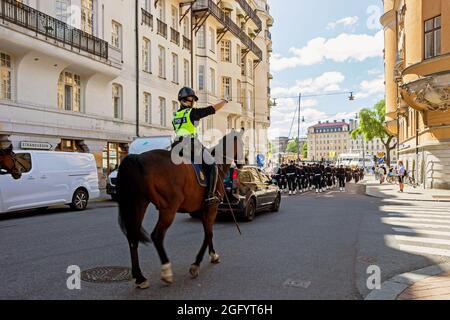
(341, 177)
(291, 172)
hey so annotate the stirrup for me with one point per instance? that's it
(213, 200)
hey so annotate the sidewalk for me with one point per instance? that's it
(391, 192)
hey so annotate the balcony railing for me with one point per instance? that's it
(187, 43)
(147, 18)
(41, 23)
(174, 36)
(214, 10)
(268, 35)
(161, 28)
(251, 13)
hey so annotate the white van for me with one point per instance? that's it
(48, 179)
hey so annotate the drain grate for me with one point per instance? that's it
(107, 275)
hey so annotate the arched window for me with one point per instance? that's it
(69, 92)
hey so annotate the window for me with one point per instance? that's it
(243, 66)
(113, 154)
(201, 38)
(175, 68)
(433, 37)
(186, 28)
(162, 62)
(225, 50)
(116, 35)
(238, 55)
(62, 10)
(147, 5)
(117, 100)
(201, 78)
(174, 106)
(87, 16)
(5, 76)
(148, 107)
(161, 10)
(239, 92)
(250, 69)
(146, 55)
(69, 92)
(187, 76)
(212, 75)
(162, 111)
(212, 39)
(174, 18)
(226, 88)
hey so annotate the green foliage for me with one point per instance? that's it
(292, 146)
(371, 123)
(305, 151)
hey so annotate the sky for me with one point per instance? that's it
(323, 47)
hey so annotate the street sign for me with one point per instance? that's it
(26, 145)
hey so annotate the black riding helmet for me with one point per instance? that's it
(187, 92)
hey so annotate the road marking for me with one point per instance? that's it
(411, 224)
(425, 250)
(297, 283)
(422, 231)
(413, 215)
(423, 240)
(442, 221)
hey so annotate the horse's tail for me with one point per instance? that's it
(130, 191)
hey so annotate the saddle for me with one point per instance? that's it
(200, 174)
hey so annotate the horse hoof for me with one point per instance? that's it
(143, 285)
(194, 271)
(215, 259)
(166, 273)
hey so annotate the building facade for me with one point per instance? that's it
(92, 75)
(327, 140)
(417, 64)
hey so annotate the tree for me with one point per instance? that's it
(371, 126)
(305, 150)
(292, 146)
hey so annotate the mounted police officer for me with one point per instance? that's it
(185, 122)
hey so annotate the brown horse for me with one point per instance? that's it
(9, 163)
(153, 177)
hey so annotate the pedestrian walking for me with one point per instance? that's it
(401, 175)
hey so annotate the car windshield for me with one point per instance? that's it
(151, 143)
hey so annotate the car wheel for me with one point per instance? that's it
(250, 211)
(276, 204)
(79, 200)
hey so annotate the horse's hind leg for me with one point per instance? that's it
(165, 220)
(141, 281)
(210, 220)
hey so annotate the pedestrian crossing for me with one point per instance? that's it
(419, 228)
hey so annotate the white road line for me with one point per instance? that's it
(411, 224)
(434, 213)
(415, 215)
(425, 250)
(423, 240)
(422, 231)
(408, 219)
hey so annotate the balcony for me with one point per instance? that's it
(161, 28)
(147, 18)
(187, 43)
(250, 13)
(211, 8)
(43, 24)
(174, 36)
(268, 35)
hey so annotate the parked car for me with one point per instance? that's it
(48, 179)
(140, 145)
(249, 191)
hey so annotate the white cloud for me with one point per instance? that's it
(329, 81)
(374, 71)
(371, 87)
(347, 21)
(344, 47)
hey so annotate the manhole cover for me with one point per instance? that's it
(297, 283)
(107, 275)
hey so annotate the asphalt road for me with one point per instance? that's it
(316, 247)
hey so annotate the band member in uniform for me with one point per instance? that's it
(341, 177)
(291, 172)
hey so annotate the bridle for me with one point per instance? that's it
(14, 160)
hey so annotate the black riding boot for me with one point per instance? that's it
(211, 197)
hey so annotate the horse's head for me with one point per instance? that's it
(8, 163)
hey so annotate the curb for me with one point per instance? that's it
(392, 288)
(415, 200)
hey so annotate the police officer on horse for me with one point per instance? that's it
(185, 122)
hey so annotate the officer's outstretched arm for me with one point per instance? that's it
(220, 105)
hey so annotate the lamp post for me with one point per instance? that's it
(364, 145)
